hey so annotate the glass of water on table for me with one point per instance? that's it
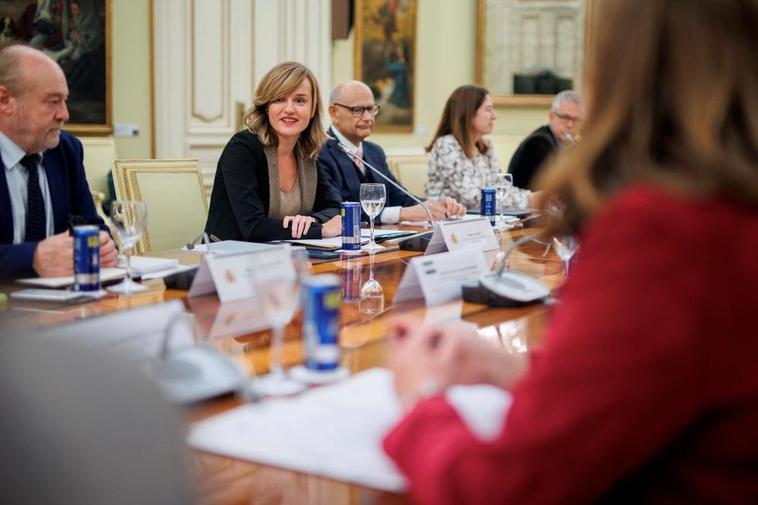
(373, 197)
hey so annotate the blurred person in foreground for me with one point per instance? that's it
(462, 160)
(268, 185)
(645, 389)
(561, 131)
(43, 188)
(85, 427)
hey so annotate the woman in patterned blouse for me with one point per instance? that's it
(461, 160)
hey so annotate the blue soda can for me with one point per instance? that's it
(321, 321)
(86, 258)
(489, 204)
(351, 226)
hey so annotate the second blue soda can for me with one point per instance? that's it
(87, 258)
(489, 204)
(322, 298)
(351, 226)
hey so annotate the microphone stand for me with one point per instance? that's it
(356, 159)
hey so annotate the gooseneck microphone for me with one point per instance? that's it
(356, 159)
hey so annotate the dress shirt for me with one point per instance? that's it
(18, 180)
(390, 215)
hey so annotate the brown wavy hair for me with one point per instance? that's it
(459, 110)
(278, 83)
(672, 92)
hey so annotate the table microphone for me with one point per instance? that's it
(507, 288)
(417, 242)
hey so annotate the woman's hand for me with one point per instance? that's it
(300, 224)
(426, 359)
(332, 228)
(453, 208)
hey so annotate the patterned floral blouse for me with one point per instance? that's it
(452, 174)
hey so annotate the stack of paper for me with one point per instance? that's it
(336, 431)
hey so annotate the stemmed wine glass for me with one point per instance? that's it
(278, 291)
(372, 294)
(503, 184)
(565, 247)
(372, 200)
(129, 218)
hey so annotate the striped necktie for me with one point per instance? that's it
(36, 221)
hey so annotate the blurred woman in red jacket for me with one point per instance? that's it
(646, 387)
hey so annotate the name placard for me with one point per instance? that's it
(476, 233)
(233, 276)
(438, 278)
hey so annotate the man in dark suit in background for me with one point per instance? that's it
(352, 110)
(564, 120)
(43, 188)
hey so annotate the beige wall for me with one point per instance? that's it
(445, 45)
(130, 60)
(445, 58)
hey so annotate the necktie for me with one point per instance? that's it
(358, 160)
(36, 223)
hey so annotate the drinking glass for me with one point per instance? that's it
(372, 202)
(129, 217)
(278, 292)
(565, 247)
(372, 294)
(503, 184)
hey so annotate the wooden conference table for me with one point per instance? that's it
(224, 480)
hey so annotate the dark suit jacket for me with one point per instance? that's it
(70, 195)
(343, 174)
(240, 198)
(530, 155)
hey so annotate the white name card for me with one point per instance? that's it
(438, 278)
(451, 236)
(232, 276)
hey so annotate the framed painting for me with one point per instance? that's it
(77, 35)
(528, 51)
(385, 58)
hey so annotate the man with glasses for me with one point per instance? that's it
(352, 110)
(564, 120)
(43, 188)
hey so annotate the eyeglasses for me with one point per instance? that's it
(358, 110)
(567, 117)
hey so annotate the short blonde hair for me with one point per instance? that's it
(278, 83)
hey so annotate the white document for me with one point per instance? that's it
(230, 247)
(142, 265)
(336, 431)
(438, 278)
(232, 275)
(474, 233)
(106, 274)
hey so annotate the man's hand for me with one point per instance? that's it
(332, 228)
(452, 207)
(54, 256)
(300, 224)
(416, 212)
(108, 251)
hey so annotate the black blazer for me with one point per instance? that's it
(530, 155)
(71, 198)
(343, 174)
(240, 198)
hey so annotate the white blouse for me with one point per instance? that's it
(452, 174)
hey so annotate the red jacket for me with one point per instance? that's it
(646, 388)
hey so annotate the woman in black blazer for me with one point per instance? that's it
(267, 185)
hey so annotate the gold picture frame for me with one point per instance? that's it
(484, 40)
(77, 34)
(385, 58)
